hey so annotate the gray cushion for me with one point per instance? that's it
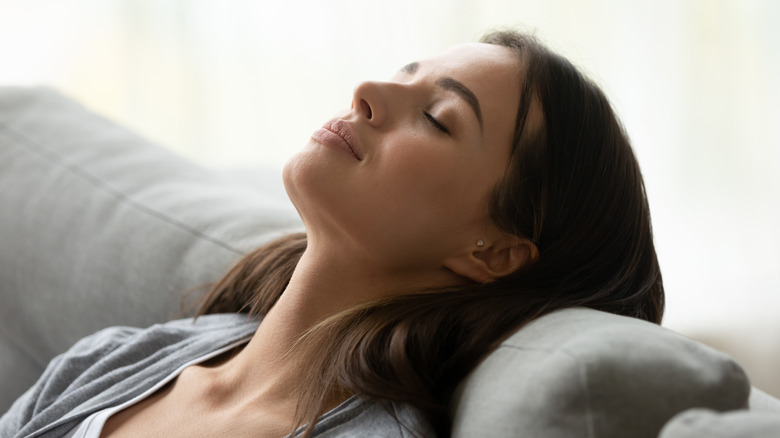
(760, 401)
(99, 227)
(583, 373)
(699, 423)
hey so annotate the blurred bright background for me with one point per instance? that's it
(243, 83)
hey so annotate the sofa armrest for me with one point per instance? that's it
(581, 372)
(760, 401)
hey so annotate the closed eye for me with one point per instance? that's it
(435, 123)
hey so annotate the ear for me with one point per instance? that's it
(494, 260)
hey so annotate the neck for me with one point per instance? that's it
(325, 282)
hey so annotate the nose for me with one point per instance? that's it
(372, 101)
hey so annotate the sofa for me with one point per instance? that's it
(100, 227)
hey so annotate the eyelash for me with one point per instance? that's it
(435, 123)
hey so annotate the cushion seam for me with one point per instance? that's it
(79, 171)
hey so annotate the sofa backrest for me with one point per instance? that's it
(99, 227)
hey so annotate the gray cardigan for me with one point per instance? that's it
(119, 363)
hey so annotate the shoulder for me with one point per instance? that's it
(125, 345)
(118, 362)
(146, 350)
(358, 417)
(206, 326)
(182, 331)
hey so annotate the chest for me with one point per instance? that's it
(169, 413)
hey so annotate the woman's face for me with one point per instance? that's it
(402, 179)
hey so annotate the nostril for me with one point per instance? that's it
(366, 108)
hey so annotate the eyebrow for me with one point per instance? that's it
(453, 85)
(461, 90)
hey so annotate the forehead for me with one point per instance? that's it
(478, 57)
(493, 73)
(484, 66)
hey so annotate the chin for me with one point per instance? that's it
(288, 177)
(310, 185)
(300, 176)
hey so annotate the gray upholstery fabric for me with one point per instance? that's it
(98, 227)
(699, 423)
(579, 372)
(762, 402)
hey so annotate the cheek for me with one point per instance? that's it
(431, 191)
(416, 177)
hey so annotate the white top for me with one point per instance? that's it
(92, 426)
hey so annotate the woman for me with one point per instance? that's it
(475, 191)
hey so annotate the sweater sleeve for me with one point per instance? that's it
(57, 377)
(22, 410)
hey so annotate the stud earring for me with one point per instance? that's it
(480, 243)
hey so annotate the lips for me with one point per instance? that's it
(338, 134)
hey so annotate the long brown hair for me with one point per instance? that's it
(573, 187)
